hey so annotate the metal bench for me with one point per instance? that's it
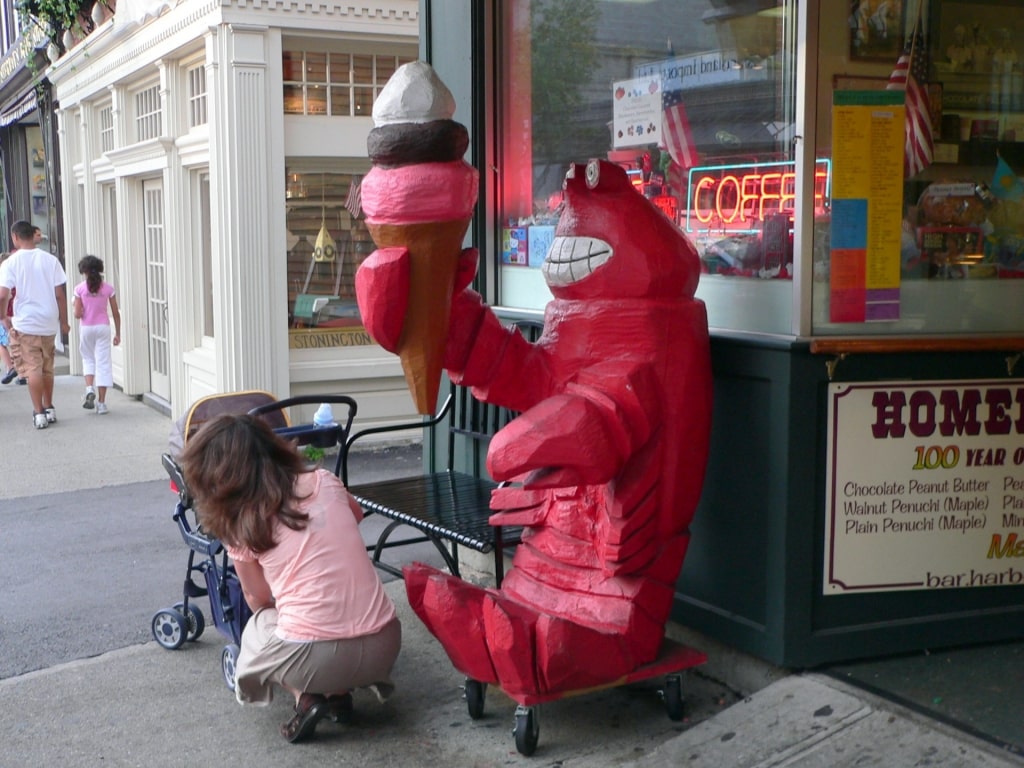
(448, 508)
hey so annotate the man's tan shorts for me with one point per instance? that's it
(31, 353)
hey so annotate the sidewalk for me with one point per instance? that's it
(83, 449)
(142, 705)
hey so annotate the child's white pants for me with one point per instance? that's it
(94, 344)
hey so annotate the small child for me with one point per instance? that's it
(9, 372)
(92, 297)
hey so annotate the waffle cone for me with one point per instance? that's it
(434, 249)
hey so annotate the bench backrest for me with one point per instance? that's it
(456, 437)
(473, 423)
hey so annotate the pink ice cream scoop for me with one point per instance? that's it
(420, 192)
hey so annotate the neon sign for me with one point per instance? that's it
(739, 198)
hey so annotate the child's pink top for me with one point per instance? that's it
(323, 582)
(94, 305)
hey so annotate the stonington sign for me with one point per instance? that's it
(925, 486)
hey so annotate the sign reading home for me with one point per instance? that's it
(925, 486)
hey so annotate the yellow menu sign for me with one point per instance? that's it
(867, 201)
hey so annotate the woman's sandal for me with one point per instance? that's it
(339, 708)
(309, 711)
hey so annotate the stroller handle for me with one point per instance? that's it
(310, 434)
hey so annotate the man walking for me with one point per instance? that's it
(42, 313)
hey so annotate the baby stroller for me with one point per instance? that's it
(184, 621)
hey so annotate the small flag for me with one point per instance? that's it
(676, 178)
(1006, 185)
(911, 71)
(354, 200)
(675, 130)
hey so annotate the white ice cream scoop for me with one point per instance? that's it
(414, 94)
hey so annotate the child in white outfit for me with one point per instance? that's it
(92, 297)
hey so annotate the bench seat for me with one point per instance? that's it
(448, 508)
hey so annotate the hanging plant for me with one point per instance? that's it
(58, 16)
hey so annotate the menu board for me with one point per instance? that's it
(867, 200)
(925, 486)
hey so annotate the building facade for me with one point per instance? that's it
(29, 151)
(208, 150)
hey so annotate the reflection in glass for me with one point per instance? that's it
(318, 212)
(680, 94)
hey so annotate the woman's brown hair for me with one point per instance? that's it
(242, 476)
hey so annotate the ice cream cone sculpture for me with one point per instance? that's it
(419, 196)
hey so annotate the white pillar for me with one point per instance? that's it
(247, 188)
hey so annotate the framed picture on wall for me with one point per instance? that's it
(978, 55)
(876, 30)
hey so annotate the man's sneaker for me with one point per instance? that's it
(10, 376)
(101, 408)
(89, 401)
(50, 414)
(39, 419)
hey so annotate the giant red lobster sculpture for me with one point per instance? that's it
(608, 454)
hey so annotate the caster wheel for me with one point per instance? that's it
(476, 692)
(228, 663)
(194, 618)
(527, 730)
(673, 695)
(170, 628)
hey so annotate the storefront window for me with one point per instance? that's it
(106, 120)
(41, 214)
(695, 99)
(339, 84)
(937, 251)
(327, 241)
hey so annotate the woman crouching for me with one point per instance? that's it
(322, 623)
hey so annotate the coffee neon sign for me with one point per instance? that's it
(738, 198)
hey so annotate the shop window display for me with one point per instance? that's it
(961, 241)
(695, 99)
(327, 241)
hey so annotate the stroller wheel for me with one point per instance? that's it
(228, 661)
(194, 618)
(169, 628)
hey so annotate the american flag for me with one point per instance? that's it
(675, 130)
(676, 177)
(354, 200)
(910, 74)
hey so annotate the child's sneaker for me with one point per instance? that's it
(39, 419)
(10, 376)
(50, 414)
(101, 408)
(89, 400)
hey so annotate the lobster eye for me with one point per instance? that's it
(593, 173)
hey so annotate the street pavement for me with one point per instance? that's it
(113, 698)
